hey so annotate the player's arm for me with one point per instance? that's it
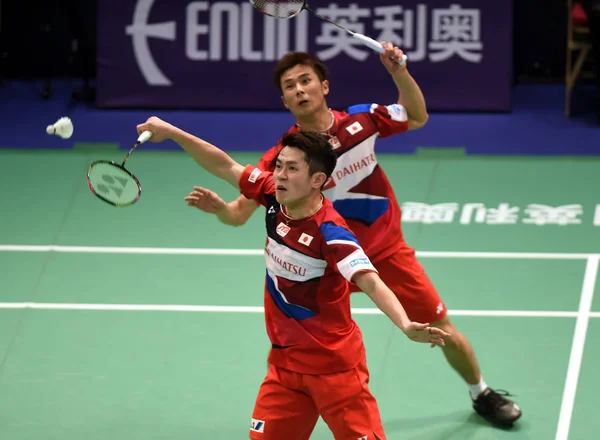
(370, 283)
(410, 94)
(237, 212)
(234, 213)
(345, 255)
(208, 156)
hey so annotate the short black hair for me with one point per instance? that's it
(318, 152)
(293, 59)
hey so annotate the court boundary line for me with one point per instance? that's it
(583, 315)
(260, 309)
(250, 252)
(577, 348)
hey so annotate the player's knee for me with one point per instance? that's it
(446, 325)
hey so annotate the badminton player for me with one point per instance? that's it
(317, 364)
(362, 194)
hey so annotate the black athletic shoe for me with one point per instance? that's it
(494, 407)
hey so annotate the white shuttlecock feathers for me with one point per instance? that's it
(63, 128)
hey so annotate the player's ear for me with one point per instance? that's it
(318, 179)
(325, 87)
(284, 104)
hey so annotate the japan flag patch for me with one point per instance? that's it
(305, 239)
(354, 128)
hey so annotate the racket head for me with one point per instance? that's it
(113, 183)
(279, 8)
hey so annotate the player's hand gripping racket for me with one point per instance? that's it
(112, 182)
(291, 8)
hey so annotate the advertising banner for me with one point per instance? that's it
(220, 54)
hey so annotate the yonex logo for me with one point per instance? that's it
(111, 182)
(440, 308)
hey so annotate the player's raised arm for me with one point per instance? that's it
(411, 97)
(384, 299)
(209, 157)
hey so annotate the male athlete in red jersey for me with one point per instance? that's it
(362, 194)
(317, 364)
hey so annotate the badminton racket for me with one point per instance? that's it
(112, 182)
(291, 8)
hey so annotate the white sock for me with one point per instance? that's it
(477, 389)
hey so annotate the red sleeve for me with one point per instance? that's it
(255, 183)
(266, 161)
(390, 119)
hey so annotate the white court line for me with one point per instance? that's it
(128, 250)
(581, 325)
(208, 251)
(583, 315)
(260, 309)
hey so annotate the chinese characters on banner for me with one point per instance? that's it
(502, 214)
(220, 54)
(455, 32)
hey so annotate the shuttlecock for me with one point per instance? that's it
(63, 128)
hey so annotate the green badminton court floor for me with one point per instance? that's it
(145, 322)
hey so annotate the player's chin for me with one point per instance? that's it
(280, 196)
(303, 109)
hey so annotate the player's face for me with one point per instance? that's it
(293, 182)
(303, 91)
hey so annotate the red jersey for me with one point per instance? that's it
(307, 296)
(359, 189)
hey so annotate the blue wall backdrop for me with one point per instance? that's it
(65, 43)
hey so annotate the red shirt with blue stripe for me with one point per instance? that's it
(309, 263)
(359, 189)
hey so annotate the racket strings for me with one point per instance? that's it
(279, 8)
(113, 184)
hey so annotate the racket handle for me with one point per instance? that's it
(144, 136)
(376, 46)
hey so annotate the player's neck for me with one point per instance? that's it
(320, 121)
(304, 209)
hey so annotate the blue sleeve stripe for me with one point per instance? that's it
(332, 232)
(359, 108)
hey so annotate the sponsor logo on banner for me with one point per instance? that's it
(227, 32)
(156, 52)
(499, 214)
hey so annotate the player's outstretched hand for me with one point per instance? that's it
(426, 334)
(160, 129)
(205, 200)
(394, 52)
